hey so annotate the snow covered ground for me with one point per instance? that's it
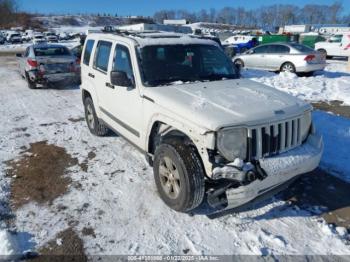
(115, 195)
(331, 84)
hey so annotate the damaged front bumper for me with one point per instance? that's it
(277, 170)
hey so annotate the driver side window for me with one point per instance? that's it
(122, 61)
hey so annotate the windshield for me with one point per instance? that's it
(165, 64)
(51, 51)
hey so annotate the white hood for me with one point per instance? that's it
(218, 104)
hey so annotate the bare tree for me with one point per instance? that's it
(267, 17)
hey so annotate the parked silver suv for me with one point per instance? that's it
(179, 99)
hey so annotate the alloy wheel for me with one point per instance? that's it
(169, 178)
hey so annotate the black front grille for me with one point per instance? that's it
(268, 140)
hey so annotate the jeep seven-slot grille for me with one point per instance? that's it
(268, 140)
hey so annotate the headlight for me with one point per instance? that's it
(305, 125)
(232, 143)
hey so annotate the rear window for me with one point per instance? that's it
(302, 48)
(51, 51)
(88, 51)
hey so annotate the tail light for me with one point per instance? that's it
(72, 67)
(41, 70)
(309, 58)
(32, 62)
(77, 61)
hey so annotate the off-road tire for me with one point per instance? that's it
(96, 127)
(287, 65)
(191, 175)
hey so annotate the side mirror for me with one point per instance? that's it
(19, 55)
(120, 78)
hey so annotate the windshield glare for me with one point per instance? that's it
(165, 64)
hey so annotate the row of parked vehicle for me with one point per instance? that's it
(16, 37)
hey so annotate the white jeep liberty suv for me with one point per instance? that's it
(208, 134)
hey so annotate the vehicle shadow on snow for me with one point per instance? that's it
(330, 74)
(314, 194)
(61, 86)
(21, 245)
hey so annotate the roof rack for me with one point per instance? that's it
(124, 32)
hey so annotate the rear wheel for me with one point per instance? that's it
(288, 67)
(179, 176)
(323, 52)
(31, 84)
(94, 124)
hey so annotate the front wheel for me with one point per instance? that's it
(179, 176)
(288, 67)
(239, 63)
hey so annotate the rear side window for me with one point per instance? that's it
(88, 51)
(102, 55)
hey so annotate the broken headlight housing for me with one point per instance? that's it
(232, 143)
(306, 122)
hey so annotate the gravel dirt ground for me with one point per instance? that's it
(81, 195)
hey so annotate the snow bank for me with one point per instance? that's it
(332, 84)
(336, 136)
(8, 245)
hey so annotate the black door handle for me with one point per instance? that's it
(91, 75)
(110, 85)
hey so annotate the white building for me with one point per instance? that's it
(175, 22)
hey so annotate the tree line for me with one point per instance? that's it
(267, 17)
(10, 16)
